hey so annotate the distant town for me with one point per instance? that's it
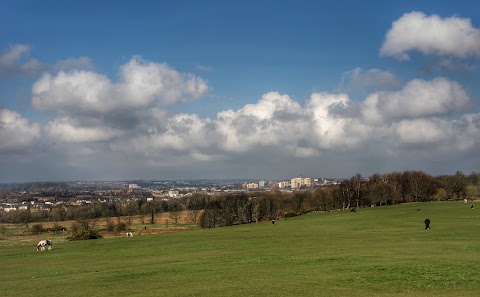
(43, 196)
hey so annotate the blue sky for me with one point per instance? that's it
(251, 89)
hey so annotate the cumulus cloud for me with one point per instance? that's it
(180, 132)
(431, 35)
(275, 120)
(276, 131)
(92, 108)
(141, 84)
(420, 131)
(68, 130)
(16, 132)
(418, 98)
(326, 123)
(467, 132)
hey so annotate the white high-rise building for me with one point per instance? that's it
(298, 182)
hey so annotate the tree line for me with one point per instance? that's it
(356, 192)
(229, 209)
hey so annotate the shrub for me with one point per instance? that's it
(37, 228)
(121, 226)
(110, 226)
(289, 214)
(3, 230)
(75, 227)
(84, 235)
(57, 227)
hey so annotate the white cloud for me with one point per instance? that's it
(275, 120)
(67, 130)
(92, 108)
(160, 81)
(16, 62)
(141, 83)
(418, 98)
(327, 123)
(181, 132)
(82, 90)
(275, 132)
(328, 128)
(467, 132)
(16, 132)
(420, 131)
(431, 35)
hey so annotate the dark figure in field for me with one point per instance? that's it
(273, 221)
(353, 210)
(472, 207)
(427, 223)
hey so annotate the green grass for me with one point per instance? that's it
(382, 251)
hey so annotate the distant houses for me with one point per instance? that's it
(296, 183)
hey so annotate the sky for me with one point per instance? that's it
(124, 90)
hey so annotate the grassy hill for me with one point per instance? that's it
(381, 251)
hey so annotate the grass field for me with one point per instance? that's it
(381, 251)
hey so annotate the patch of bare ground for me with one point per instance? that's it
(184, 218)
(138, 225)
(147, 231)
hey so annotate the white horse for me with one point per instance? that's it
(42, 243)
(129, 234)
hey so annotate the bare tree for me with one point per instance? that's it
(357, 183)
(194, 215)
(346, 193)
(174, 208)
(175, 216)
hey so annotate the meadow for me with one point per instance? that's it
(380, 251)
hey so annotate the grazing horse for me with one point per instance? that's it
(427, 224)
(129, 234)
(42, 243)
